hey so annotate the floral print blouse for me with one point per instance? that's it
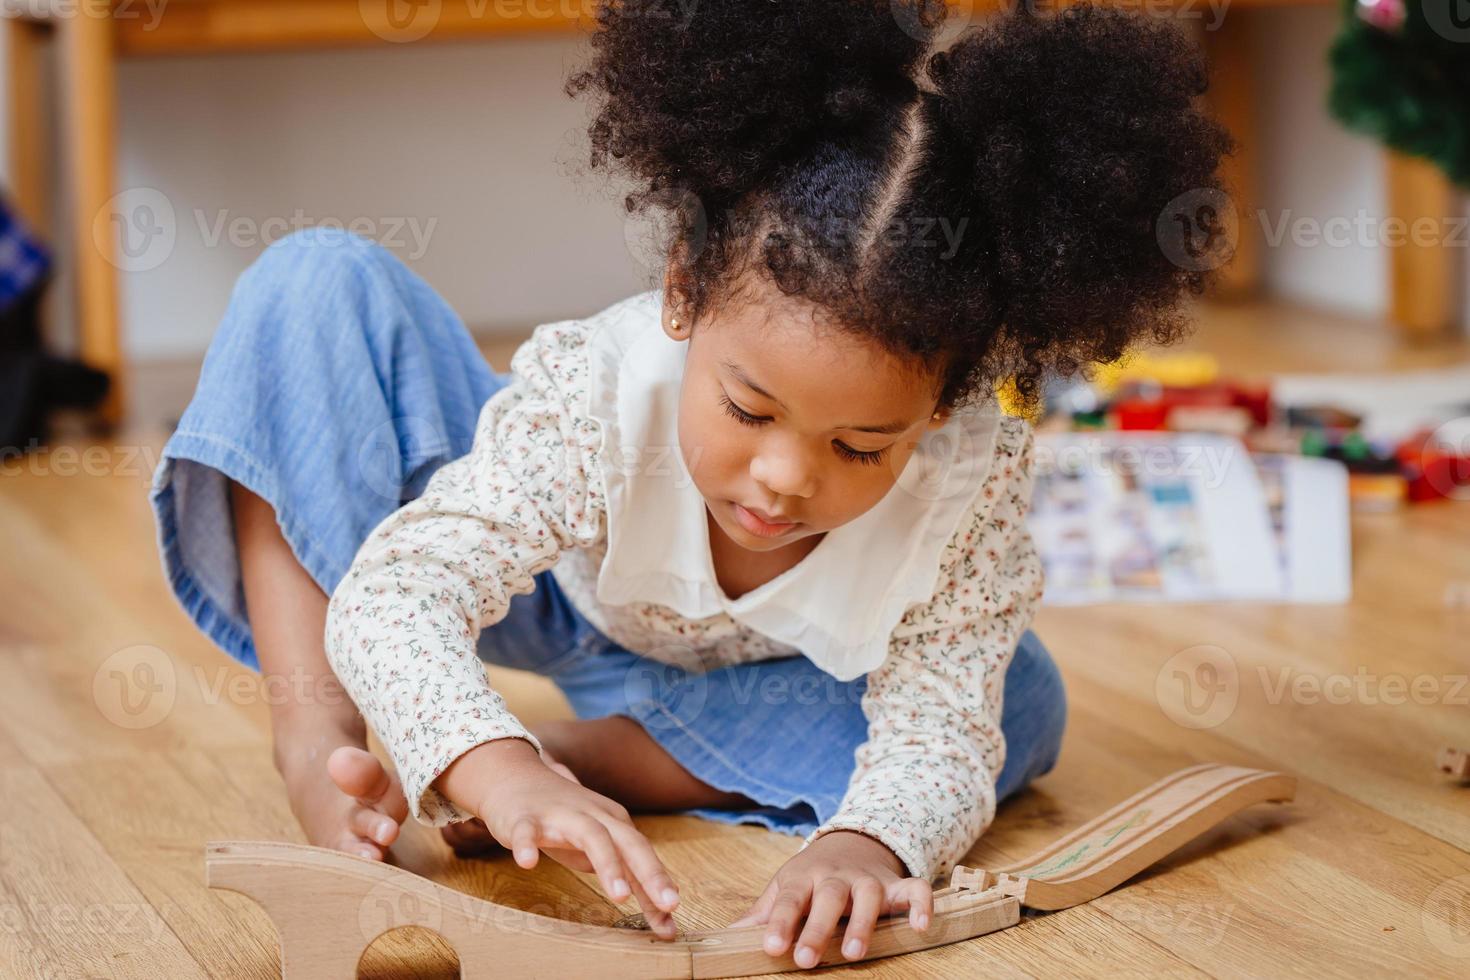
(575, 468)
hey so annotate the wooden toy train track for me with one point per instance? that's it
(328, 907)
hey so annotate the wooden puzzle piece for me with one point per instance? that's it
(1107, 851)
(328, 907)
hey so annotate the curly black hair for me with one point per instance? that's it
(989, 209)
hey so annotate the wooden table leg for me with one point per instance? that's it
(90, 104)
(29, 188)
(1421, 281)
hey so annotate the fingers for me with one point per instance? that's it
(761, 911)
(595, 841)
(786, 912)
(917, 895)
(867, 903)
(647, 869)
(661, 922)
(525, 842)
(829, 901)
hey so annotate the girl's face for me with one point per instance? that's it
(791, 429)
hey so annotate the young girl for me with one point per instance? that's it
(762, 525)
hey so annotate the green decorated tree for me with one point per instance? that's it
(1401, 73)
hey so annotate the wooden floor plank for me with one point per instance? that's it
(72, 911)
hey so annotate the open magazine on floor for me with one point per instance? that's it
(1187, 517)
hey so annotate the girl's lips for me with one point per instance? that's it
(759, 527)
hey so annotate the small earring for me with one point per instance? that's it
(674, 322)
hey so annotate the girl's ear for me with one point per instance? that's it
(937, 420)
(674, 323)
(675, 317)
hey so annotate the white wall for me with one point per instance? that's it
(460, 156)
(1312, 169)
(479, 139)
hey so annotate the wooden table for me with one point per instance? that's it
(94, 34)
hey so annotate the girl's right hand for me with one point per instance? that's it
(529, 808)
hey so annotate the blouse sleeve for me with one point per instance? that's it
(924, 783)
(402, 624)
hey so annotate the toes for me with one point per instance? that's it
(373, 826)
(358, 773)
(352, 844)
(394, 803)
(362, 776)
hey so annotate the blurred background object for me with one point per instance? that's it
(33, 381)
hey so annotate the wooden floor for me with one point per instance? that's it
(105, 806)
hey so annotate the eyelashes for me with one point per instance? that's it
(846, 452)
(739, 414)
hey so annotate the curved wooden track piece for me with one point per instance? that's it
(1106, 852)
(328, 907)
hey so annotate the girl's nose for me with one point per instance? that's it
(784, 471)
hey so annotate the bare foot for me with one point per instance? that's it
(364, 827)
(616, 757)
(378, 807)
(360, 807)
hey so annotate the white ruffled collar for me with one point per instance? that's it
(838, 605)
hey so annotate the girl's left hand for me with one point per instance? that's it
(840, 873)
